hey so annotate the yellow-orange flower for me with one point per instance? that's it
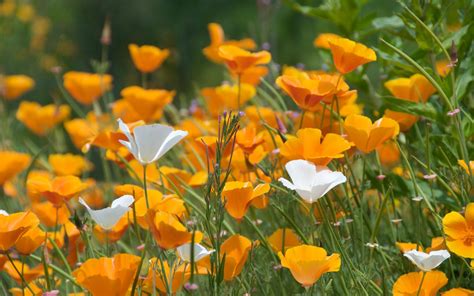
(459, 232)
(14, 226)
(347, 55)
(29, 274)
(458, 292)
(168, 232)
(69, 164)
(147, 58)
(108, 276)
(216, 34)
(86, 88)
(367, 136)
(463, 164)
(415, 89)
(443, 67)
(12, 164)
(252, 75)
(226, 97)
(30, 241)
(388, 153)
(58, 190)
(309, 145)
(239, 60)
(41, 119)
(408, 284)
(44, 212)
(308, 263)
(322, 41)
(282, 239)
(114, 234)
(239, 195)
(16, 85)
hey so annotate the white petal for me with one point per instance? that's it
(327, 180)
(170, 141)
(123, 201)
(107, 217)
(3, 212)
(307, 195)
(434, 259)
(287, 183)
(301, 172)
(149, 139)
(200, 252)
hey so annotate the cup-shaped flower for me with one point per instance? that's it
(147, 58)
(367, 136)
(108, 276)
(41, 119)
(30, 241)
(14, 226)
(68, 164)
(309, 181)
(16, 85)
(322, 40)
(239, 195)
(58, 190)
(167, 230)
(12, 164)
(199, 251)
(225, 97)
(150, 142)
(308, 263)
(427, 261)
(310, 145)
(236, 250)
(108, 217)
(459, 292)
(86, 88)
(459, 232)
(29, 273)
(348, 55)
(409, 284)
(282, 239)
(114, 234)
(239, 60)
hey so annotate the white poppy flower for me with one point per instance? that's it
(108, 217)
(200, 252)
(4, 213)
(150, 142)
(309, 181)
(427, 262)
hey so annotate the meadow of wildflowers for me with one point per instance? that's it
(351, 178)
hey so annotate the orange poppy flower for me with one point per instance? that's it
(309, 145)
(239, 60)
(41, 119)
(114, 234)
(14, 226)
(86, 88)
(16, 85)
(239, 195)
(58, 190)
(409, 284)
(69, 164)
(142, 104)
(458, 292)
(308, 263)
(388, 153)
(30, 241)
(44, 212)
(322, 41)
(348, 55)
(37, 291)
(147, 58)
(108, 276)
(168, 232)
(252, 75)
(443, 67)
(216, 34)
(459, 232)
(257, 115)
(29, 274)
(248, 139)
(226, 97)
(82, 131)
(463, 164)
(282, 239)
(170, 204)
(12, 164)
(152, 173)
(367, 136)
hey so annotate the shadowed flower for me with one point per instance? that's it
(41, 119)
(216, 34)
(86, 88)
(12, 164)
(225, 97)
(44, 209)
(239, 195)
(58, 190)
(16, 85)
(108, 276)
(252, 75)
(167, 230)
(409, 284)
(388, 153)
(239, 60)
(427, 261)
(282, 239)
(309, 181)
(29, 274)
(308, 263)
(443, 67)
(30, 241)
(14, 226)
(147, 58)
(347, 55)
(150, 142)
(459, 232)
(69, 164)
(309, 145)
(108, 217)
(367, 136)
(113, 234)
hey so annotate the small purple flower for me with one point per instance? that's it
(51, 293)
(454, 112)
(266, 46)
(281, 125)
(191, 286)
(380, 177)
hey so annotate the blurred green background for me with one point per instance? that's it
(38, 35)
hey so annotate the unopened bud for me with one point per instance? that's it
(106, 37)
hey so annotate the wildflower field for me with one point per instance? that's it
(321, 148)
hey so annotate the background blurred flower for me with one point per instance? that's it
(86, 88)
(16, 85)
(147, 58)
(12, 164)
(41, 119)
